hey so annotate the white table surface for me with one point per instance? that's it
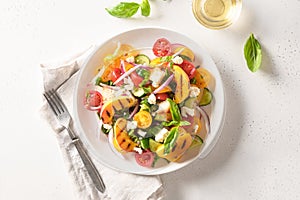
(257, 156)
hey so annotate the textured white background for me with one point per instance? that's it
(257, 156)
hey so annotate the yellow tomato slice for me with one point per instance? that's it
(202, 77)
(143, 119)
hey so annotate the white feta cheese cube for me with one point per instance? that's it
(152, 99)
(194, 91)
(161, 135)
(177, 60)
(163, 107)
(141, 133)
(156, 76)
(107, 126)
(138, 149)
(131, 125)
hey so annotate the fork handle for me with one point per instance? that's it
(91, 169)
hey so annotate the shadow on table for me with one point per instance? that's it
(201, 169)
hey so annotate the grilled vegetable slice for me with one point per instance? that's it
(183, 142)
(182, 84)
(122, 141)
(109, 108)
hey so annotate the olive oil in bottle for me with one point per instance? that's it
(216, 14)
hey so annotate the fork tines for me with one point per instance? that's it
(55, 102)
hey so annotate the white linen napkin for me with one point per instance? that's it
(120, 186)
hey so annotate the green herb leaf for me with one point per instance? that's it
(144, 105)
(253, 53)
(170, 140)
(176, 123)
(174, 110)
(184, 123)
(145, 8)
(166, 59)
(124, 9)
(170, 123)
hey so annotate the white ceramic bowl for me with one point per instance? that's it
(88, 124)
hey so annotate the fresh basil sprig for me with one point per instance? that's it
(128, 9)
(253, 53)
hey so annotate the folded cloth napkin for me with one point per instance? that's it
(61, 75)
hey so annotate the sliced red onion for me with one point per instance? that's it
(134, 111)
(205, 117)
(126, 74)
(164, 84)
(111, 144)
(123, 67)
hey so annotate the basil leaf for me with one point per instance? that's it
(174, 110)
(176, 123)
(184, 123)
(124, 9)
(170, 123)
(145, 8)
(253, 53)
(170, 140)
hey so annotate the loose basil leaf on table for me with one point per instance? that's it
(124, 9)
(145, 8)
(253, 53)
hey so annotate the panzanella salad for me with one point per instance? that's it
(150, 101)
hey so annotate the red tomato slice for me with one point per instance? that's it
(189, 68)
(136, 79)
(116, 73)
(145, 159)
(93, 100)
(162, 47)
(162, 96)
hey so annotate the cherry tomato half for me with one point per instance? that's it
(93, 100)
(162, 96)
(116, 73)
(162, 47)
(145, 159)
(189, 68)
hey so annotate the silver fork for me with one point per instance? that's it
(61, 112)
